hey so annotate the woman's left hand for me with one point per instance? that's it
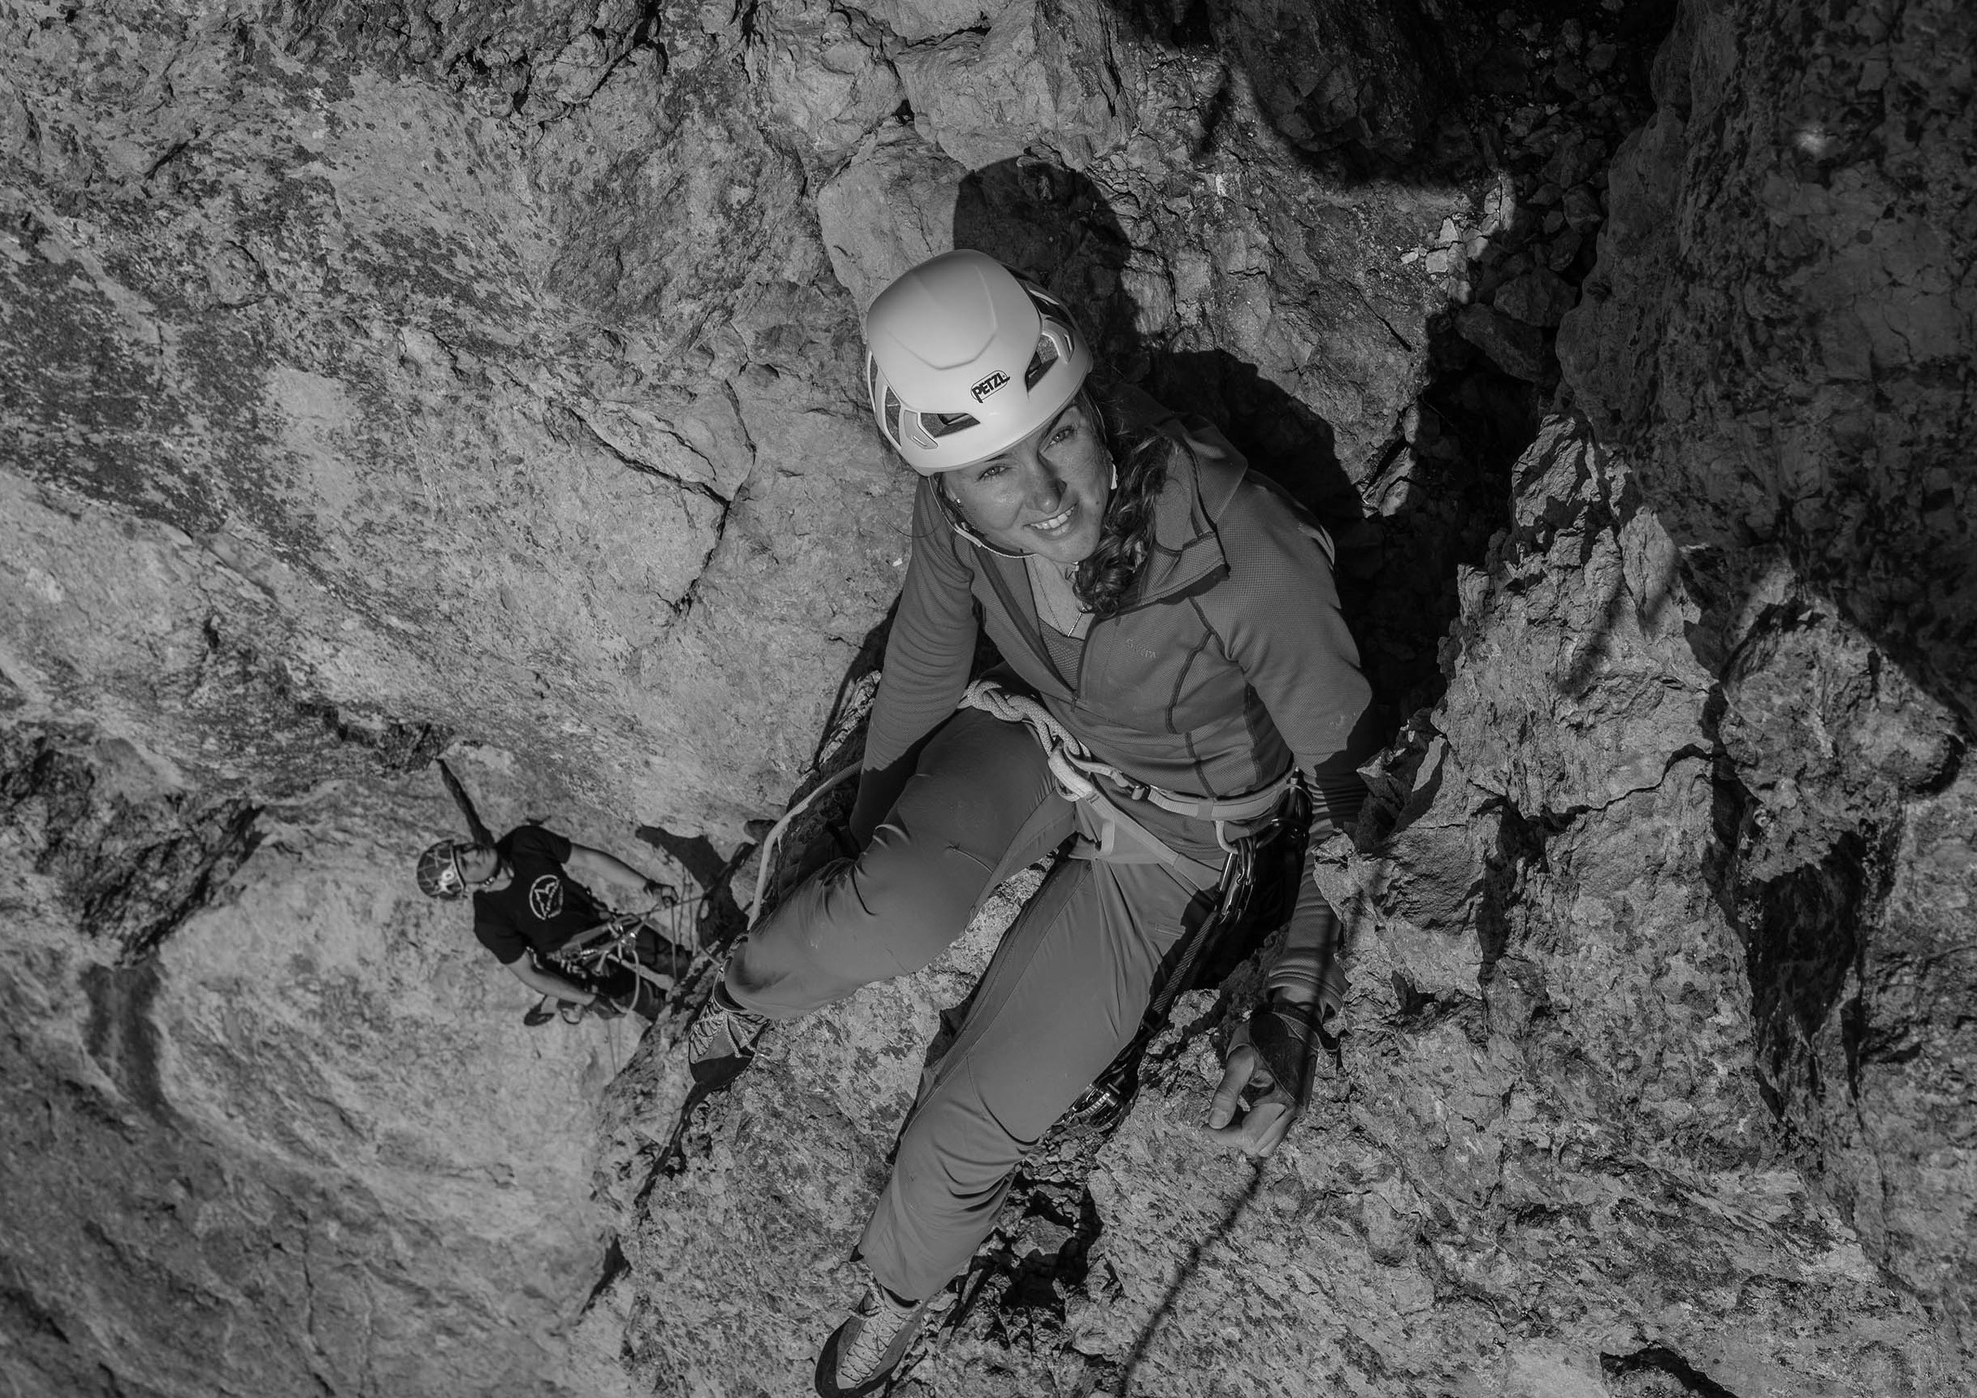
(1271, 1062)
(1260, 1128)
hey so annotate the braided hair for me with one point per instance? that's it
(1109, 571)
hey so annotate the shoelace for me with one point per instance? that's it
(719, 1019)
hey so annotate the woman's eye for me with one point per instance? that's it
(1062, 434)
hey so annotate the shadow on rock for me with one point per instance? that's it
(1397, 89)
(1428, 507)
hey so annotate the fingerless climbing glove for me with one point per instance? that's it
(1288, 1038)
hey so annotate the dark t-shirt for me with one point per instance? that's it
(542, 907)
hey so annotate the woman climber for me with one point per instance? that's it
(1168, 621)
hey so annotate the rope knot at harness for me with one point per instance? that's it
(1072, 765)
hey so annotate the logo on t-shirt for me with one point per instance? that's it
(546, 897)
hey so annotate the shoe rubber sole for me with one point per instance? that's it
(826, 1376)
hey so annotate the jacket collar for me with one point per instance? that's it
(1203, 472)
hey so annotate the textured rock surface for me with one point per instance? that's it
(306, 1144)
(1781, 333)
(423, 378)
(1778, 344)
(378, 380)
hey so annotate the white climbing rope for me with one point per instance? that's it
(1071, 763)
(775, 835)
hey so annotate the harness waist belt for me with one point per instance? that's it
(1252, 804)
(1078, 771)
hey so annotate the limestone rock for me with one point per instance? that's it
(892, 206)
(1536, 298)
(1514, 346)
(1048, 76)
(1539, 664)
(1359, 87)
(914, 20)
(324, 1131)
(823, 76)
(1793, 386)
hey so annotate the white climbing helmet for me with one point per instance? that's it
(965, 358)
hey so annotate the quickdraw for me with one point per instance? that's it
(609, 951)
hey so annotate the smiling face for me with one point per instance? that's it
(1046, 494)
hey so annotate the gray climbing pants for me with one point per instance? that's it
(1062, 995)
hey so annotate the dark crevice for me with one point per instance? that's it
(1656, 1361)
(610, 1269)
(1804, 934)
(121, 1035)
(1418, 1011)
(133, 867)
(1519, 849)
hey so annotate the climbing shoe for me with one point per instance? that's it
(721, 1041)
(861, 1354)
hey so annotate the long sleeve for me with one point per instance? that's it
(928, 652)
(1278, 615)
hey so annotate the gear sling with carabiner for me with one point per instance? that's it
(1243, 825)
(611, 960)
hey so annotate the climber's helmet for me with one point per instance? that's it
(439, 869)
(965, 359)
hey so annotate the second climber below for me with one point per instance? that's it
(533, 899)
(1173, 613)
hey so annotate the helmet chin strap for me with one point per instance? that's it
(952, 510)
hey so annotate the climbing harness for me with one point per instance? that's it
(1078, 773)
(1242, 824)
(609, 952)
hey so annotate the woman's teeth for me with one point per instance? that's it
(1055, 522)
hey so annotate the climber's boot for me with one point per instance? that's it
(859, 1358)
(721, 1041)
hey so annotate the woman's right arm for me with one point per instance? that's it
(929, 650)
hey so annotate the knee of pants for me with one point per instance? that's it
(883, 917)
(922, 894)
(955, 1151)
(969, 1133)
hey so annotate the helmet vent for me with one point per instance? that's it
(892, 414)
(942, 424)
(1040, 362)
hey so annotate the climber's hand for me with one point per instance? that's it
(1248, 1112)
(1272, 1060)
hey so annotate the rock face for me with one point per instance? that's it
(1776, 344)
(382, 381)
(1781, 326)
(269, 1129)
